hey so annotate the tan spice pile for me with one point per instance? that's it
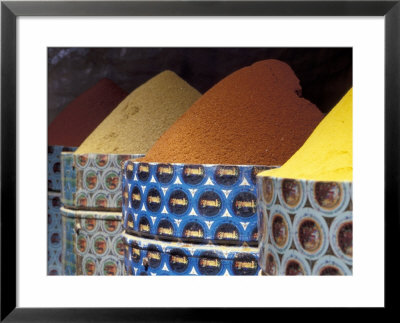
(138, 121)
(252, 117)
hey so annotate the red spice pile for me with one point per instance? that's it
(252, 117)
(79, 118)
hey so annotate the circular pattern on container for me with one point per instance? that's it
(193, 175)
(117, 200)
(100, 199)
(178, 261)
(272, 263)
(130, 222)
(192, 229)
(244, 264)
(144, 225)
(280, 228)
(262, 222)
(57, 167)
(210, 202)
(165, 228)
(129, 169)
(143, 172)
(154, 199)
(91, 179)
(119, 160)
(209, 263)
(136, 198)
(110, 266)
(294, 264)
(268, 191)
(118, 247)
(55, 202)
(54, 271)
(82, 161)
(227, 231)
(165, 173)
(154, 256)
(102, 161)
(292, 193)
(55, 239)
(330, 266)
(82, 243)
(243, 203)
(100, 245)
(90, 224)
(311, 233)
(82, 199)
(111, 224)
(329, 198)
(226, 176)
(341, 237)
(89, 265)
(178, 200)
(112, 180)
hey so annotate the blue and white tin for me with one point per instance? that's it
(92, 181)
(54, 166)
(305, 227)
(194, 203)
(54, 234)
(152, 257)
(92, 243)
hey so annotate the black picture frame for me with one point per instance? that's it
(10, 10)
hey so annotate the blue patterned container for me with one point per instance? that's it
(54, 166)
(92, 243)
(152, 257)
(54, 234)
(194, 203)
(92, 181)
(305, 227)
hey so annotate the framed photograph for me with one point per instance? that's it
(202, 42)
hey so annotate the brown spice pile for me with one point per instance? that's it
(138, 121)
(79, 118)
(252, 117)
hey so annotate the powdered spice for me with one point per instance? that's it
(252, 117)
(327, 155)
(79, 118)
(139, 120)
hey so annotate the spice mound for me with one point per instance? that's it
(252, 117)
(327, 155)
(79, 118)
(138, 121)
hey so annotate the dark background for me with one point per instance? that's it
(325, 73)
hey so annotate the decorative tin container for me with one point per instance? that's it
(54, 234)
(54, 166)
(92, 243)
(194, 203)
(152, 257)
(92, 181)
(305, 227)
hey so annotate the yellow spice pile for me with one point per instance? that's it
(327, 155)
(139, 120)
